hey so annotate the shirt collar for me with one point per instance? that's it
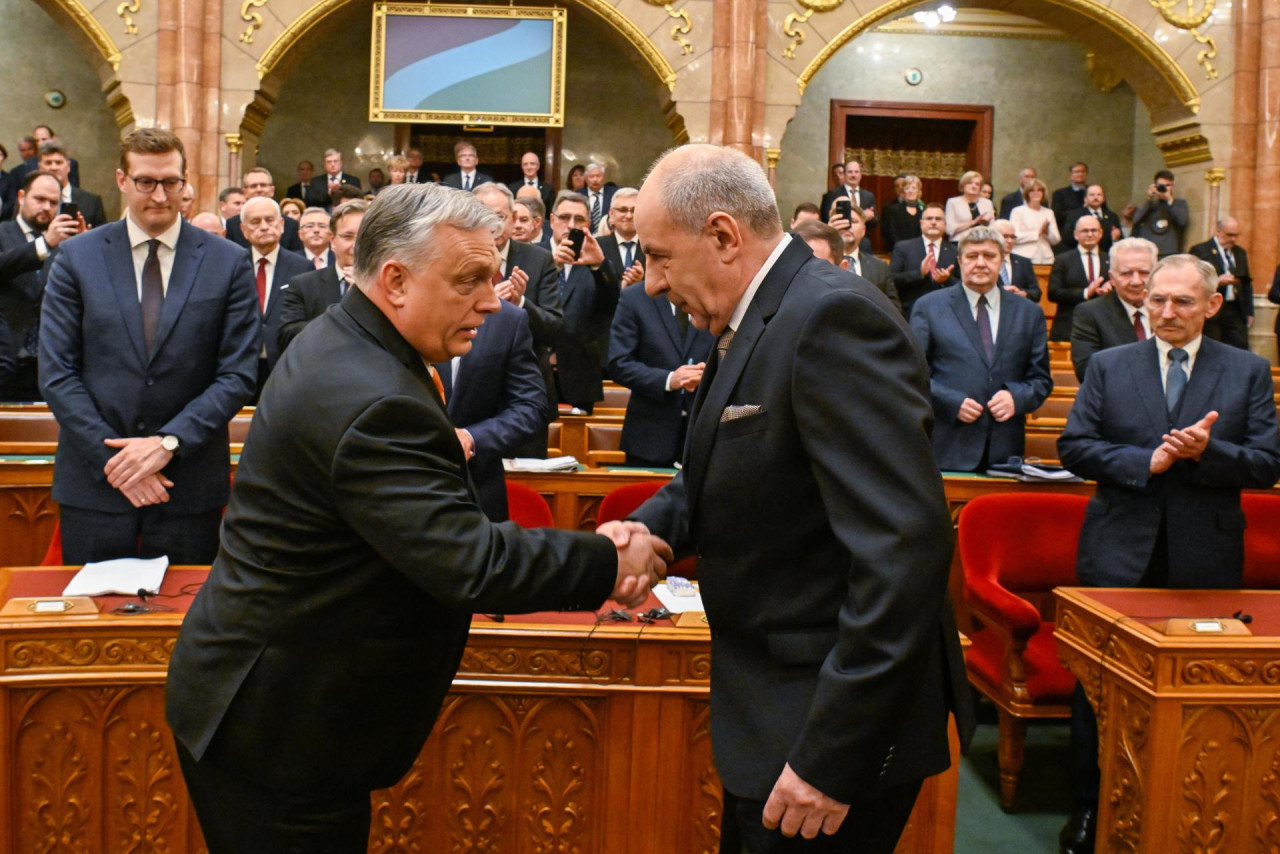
(505, 251)
(1221, 249)
(744, 302)
(993, 297)
(66, 192)
(169, 239)
(1085, 252)
(1192, 347)
(1131, 310)
(25, 226)
(271, 256)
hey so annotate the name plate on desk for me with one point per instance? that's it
(47, 606)
(1204, 627)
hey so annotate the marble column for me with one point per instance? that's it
(739, 38)
(1264, 188)
(188, 74)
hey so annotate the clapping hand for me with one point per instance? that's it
(942, 275)
(642, 560)
(1188, 443)
(687, 377)
(512, 289)
(633, 274)
(1099, 287)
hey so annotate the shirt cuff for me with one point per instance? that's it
(42, 248)
(521, 303)
(670, 377)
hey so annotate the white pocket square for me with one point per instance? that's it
(733, 413)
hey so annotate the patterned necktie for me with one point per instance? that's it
(262, 285)
(931, 260)
(628, 254)
(1004, 275)
(466, 185)
(595, 211)
(152, 294)
(984, 328)
(1138, 328)
(319, 259)
(1175, 378)
(1231, 261)
(723, 342)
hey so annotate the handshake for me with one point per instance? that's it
(642, 560)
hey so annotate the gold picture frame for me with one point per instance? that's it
(379, 111)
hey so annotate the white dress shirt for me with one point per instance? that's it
(1163, 347)
(1084, 264)
(270, 273)
(311, 259)
(168, 245)
(42, 247)
(1131, 310)
(993, 307)
(744, 302)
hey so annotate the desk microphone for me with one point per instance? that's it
(1243, 617)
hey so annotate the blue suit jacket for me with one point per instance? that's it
(905, 263)
(100, 384)
(948, 334)
(1117, 421)
(500, 399)
(289, 265)
(646, 345)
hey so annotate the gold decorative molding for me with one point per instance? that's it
(234, 142)
(253, 19)
(978, 23)
(680, 30)
(942, 165)
(1184, 150)
(118, 102)
(772, 156)
(93, 30)
(790, 25)
(1215, 176)
(1191, 22)
(1159, 58)
(126, 11)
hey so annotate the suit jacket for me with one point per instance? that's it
(1099, 324)
(546, 320)
(822, 536)
(289, 266)
(1068, 280)
(866, 199)
(103, 385)
(10, 183)
(22, 278)
(304, 192)
(958, 368)
(320, 188)
(306, 296)
(1109, 221)
(878, 273)
(582, 347)
(8, 365)
(90, 205)
(613, 252)
(351, 610)
(606, 199)
(1274, 296)
(1065, 200)
(1024, 276)
(1243, 303)
(645, 346)
(289, 239)
(905, 263)
(454, 179)
(1011, 201)
(545, 191)
(1117, 421)
(32, 164)
(1147, 221)
(500, 399)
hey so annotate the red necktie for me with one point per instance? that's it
(319, 259)
(262, 285)
(1090, 256)
(1138, 328)
(931, 261)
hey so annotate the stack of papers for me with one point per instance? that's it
(123, 577)
(531, 464)
(1029, 472)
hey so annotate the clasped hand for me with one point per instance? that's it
(642, 560)
(1001, 407)
(135, 470)
(1185, 444)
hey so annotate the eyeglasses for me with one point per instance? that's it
(571, 219)
(618, 210)
(172, 186)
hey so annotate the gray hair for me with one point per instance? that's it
(256, 199)
(1133, 244)
(488, 188)
(401, 224)
(995, 224)
(622, 193)
(313, 209)
(720, 179)
(981, 234)
(1208, 275)
(329, 151)
(570, 196)
(1223, 220)
(536, 208)
(592, 167)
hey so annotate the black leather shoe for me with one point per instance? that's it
(1077, 837)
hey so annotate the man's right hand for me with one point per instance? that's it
(942, 275)
(1099, 287)
(512, 289)
(642, 560)
(687, 377)
(970, 411)
(148, 491)
(633, 274)
(62, 227)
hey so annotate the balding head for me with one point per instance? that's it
(262, 223)
(1228, 232)
(209, 222)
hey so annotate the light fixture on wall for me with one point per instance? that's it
(55, 99)
(931, 18)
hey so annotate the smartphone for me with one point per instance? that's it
(844, 209)
(71, 209)
(576, 238)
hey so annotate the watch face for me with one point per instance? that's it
(169, 443)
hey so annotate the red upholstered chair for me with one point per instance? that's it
(622, 502)
(53, 557)
(1261, 541)
(1015, 549)
(527, 508)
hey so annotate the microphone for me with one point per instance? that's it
(1243, 617)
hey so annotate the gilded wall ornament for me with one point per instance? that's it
(253, 19)
(680, 30)
(126, 11)
(1190, 15)
(790, 28)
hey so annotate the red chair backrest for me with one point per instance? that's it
(1023, 541)
(623, 501)
(527, 508)
(53, 557)
(1261, 541)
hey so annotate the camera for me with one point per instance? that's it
(1162, 188)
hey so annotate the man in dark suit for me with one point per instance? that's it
(818, 518)
(1077, 276)
(54, 160)
(259, 183)
(28, 244)
(273, 268)
(622, 245)
(1017, 273)
(1172, 429)
(1095, 205)
(530, 165)
(1162, 219)
(31, 160)
(851, 189)
(843, 248)
(659, 355)
(1018, 197)
(302, 189)
(417, 173)
(1231, 325)
(148, 341)
(355, 552)
(598, 194)
(925, 264)
(468, 177)
(1071, 197)
(497, 399)
(530, 224)
(323, 186)
(316, 237)
(1121, 316)
(308, 295)
(588, 295)
(988, 360)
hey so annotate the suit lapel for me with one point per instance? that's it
(1119, 317)
(667, 318)
(1205, 377)
(125, 284)
(186, 261)
(1146, 379)
(1008, 307)
(964, 315)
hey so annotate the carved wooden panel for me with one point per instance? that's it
(27, 518)
(1129, 762)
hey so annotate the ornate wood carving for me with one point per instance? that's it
(55, 802)
(1230, 671)
(28, 515)
(585, 662)
(143, 785)
(1128, 767)
(708, 808)
(82, 652)
(560, 744)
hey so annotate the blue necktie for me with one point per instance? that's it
(1004, 276)
(1175, 379)
(630, 256)
(564, 281)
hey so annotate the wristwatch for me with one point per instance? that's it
(169, 443)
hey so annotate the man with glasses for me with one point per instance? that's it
(589, 289)
(310, 294)
(258, 182)
(622, 246)
(467, 177)
(313, 229)
(149, 344)
(1232, 324)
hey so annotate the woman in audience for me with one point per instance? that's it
(293, 208)
(987, 191)
(398, 168)
(901, 220)
(968, 209)
(577, 180)
(1035, 226)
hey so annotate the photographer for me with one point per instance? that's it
(1162, 218)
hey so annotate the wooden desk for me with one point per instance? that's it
(1188, 727)
(557, 736)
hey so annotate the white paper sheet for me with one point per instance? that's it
(124, 577)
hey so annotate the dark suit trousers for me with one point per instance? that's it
(871, 827)
(238, 817)
(92, 535)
